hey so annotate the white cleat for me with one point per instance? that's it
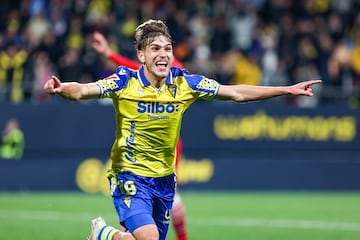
(96, 225)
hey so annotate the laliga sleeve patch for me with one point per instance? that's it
(110, 85)
(207, 84)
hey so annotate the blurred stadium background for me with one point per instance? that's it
(287, 168)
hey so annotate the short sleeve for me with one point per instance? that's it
(113, 84)
(206, 88)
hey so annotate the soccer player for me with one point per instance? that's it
(178, 216)
(149, 105)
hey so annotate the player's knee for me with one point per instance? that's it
(147, 232)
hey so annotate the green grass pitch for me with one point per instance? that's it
(210, 215)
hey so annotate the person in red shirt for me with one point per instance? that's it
(178, 216)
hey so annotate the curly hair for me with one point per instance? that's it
(148, 31)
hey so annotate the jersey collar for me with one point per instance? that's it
(144, 82)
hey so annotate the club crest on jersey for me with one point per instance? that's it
(141, 91)
(172, 89)
(127, 201)
(207, 84)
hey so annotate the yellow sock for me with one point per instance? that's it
(107, 233)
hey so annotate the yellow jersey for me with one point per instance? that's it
(148, 119)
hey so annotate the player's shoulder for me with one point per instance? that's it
(188, 76)
(119, 79)
(179, 72)
(125, 73)
(194, 81)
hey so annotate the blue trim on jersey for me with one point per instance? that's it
(145, 82)
(177, 72)
(118, 80)
(123, 74)
(194, 80)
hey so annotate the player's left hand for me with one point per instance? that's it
(304, 88)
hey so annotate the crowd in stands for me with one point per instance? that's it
(260, 42)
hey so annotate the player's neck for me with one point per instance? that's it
(155, 81)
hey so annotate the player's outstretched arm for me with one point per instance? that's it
(246, 93)
(72, 90)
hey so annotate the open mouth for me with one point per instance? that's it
(161, 65)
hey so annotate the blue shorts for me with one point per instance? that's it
(143, 200)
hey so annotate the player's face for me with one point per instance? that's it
(157, 58)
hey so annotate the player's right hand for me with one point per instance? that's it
(53, 85)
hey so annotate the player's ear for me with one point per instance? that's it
(140, 56)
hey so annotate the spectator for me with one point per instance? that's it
(70, 66)
(243, 69)
(36, 28)
(203, 32)
(219, 37)
(12, 66)
(12, 141)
